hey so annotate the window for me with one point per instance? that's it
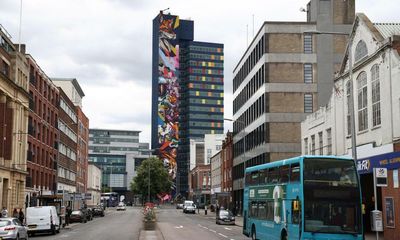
(348, 115)
(376, 96)
(362, 101)
(308, 73)
(273, 175)
(295, 172)
(313, 145)
(284, 174)
(305, 146)
(361, 51)
(321, 143)
(262, 210)
(308, 103)
(329, 141)
(270, 210)
(308, 43)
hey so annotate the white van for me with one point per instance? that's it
(42, 219)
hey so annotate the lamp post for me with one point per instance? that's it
(244, 148)
(148, 174)
(351, 103)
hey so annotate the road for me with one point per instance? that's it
(176, 225)
(126, 225)
(122, 225)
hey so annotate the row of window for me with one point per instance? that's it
(206, 56)
(206, 79)
(254, 56)
(204, 86)
(206, 94)
(206, 71)
(40, 155)
(43, 86)
(67, 131)
(251, 87)
(205, 124)
(108, 133)
(108, 140)
(252, 140)
(204, 131)
(67, 174)
(108, 149)
(206, 109)
(5, 45)
(324, 147)
(205, 101)
(238, 170)
(70, 112)
(282, 174)
(270, 210)
(206, 64)
(65, 150)
(258, 108)
(205, 49)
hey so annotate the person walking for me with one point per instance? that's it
(15, 213)
(4, 212)
(68, 215)
(21, 216)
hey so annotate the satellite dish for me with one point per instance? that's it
(302, 9)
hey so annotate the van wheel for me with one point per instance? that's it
(59, 229)
(253, 233)
(53, 229)
(284, 235)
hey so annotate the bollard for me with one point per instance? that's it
(205, 210)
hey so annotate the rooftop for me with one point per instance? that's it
(388, 29)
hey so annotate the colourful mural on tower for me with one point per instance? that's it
(168, 92)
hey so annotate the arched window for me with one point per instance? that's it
(362, 99)
(361, 51)
(376, 96)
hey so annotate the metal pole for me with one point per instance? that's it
(352, 115)
(375, 199)
(148, 187)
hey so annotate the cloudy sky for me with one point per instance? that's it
(106, 44)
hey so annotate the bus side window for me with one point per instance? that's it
(295, 173)
(273, 175)
(284, 174)
(248, 179)
(270, 210)
(263, 176)
(253, 210)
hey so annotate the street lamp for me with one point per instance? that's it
(148, 172)
(351, 103)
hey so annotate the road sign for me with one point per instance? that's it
(381, 177)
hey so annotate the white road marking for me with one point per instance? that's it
(223, 235)
(179, 226)
(228, 228)
(212, 230)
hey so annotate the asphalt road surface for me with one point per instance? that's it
(122, 225)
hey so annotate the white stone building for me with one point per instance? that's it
(94, 184)
(216, 173)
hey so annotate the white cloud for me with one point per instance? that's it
(106, 44)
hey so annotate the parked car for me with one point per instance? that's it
(78, 216)
(89, 213)
(179, 206)
(121, 206)
(42, 219)
(12, 228)
(225, 217)
(98, 211)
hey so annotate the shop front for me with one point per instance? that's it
(388, 198)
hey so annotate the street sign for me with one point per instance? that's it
(381, 177)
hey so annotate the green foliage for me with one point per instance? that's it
(159, 178)
(150, 215)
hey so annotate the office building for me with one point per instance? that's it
(284, 74)
(187, 96)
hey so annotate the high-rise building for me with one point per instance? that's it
(187, 96)
(285, 73)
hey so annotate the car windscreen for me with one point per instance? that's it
(76, 212)
(4, 223)
(224, 213)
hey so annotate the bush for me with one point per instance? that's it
(149, 214)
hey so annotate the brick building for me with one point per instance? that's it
(82, 151)
(200, 184)
(227, 164)
(283, 75)
(14, 109)
(42, 135)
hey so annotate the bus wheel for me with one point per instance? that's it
(253, 233)
(284, 235)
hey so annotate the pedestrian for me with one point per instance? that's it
(205, 209)
(21, 216)
(4, 212)
(15, 213)
(68, 215)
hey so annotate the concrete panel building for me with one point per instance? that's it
(284, 74)
(94, 184)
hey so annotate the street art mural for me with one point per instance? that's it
(168, 92)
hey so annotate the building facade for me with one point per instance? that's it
(282, 76)
(200, 187)
(216, 173)
(375, 49)
(94, 184)
(14, 111)
(187, 97)
(114, 151)
(42, 136)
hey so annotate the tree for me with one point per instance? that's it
(159, 178)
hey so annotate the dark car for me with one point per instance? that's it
(225, 217)
(89, 214)
(98, 211)
(78, 216)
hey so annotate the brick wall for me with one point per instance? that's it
(279, 102)
(286, 72)
(284, 132)
(285, 43)
(389, 191)
(343, 11)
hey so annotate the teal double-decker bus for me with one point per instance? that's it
(307, 197)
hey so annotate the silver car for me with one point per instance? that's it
(12, 228)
